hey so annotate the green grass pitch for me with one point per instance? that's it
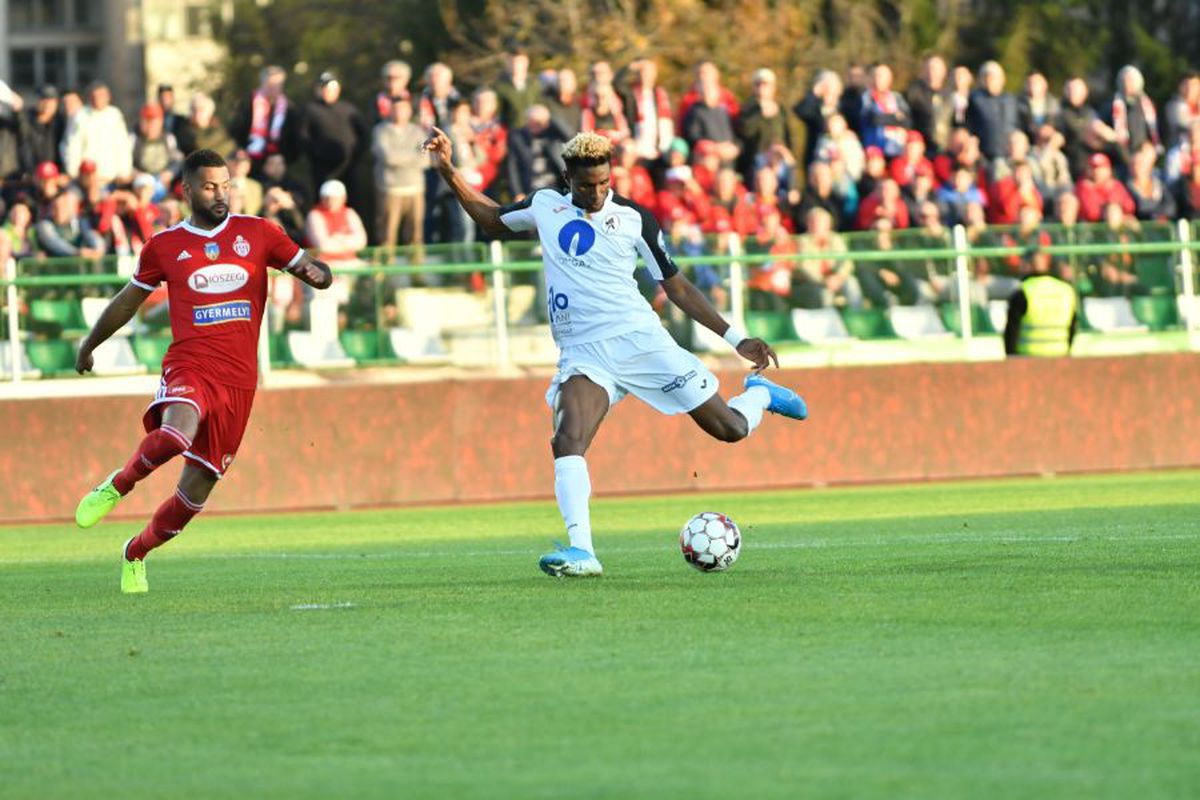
(1024, 639)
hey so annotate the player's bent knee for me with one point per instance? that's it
(565, 444)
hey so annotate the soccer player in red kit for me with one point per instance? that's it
(215, 267)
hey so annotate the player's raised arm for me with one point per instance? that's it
(484, 210)
(692, 302)
(118, 312)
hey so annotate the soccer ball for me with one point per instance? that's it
(710, 541)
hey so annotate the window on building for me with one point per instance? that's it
(54, 66)
(24, 69)
(198, 22)
(87, 15)
(20, 14)
(87, 65)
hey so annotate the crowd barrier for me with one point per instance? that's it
(483, 304)
(357, 445)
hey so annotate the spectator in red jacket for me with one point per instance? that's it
(641, 185)
(885, 202)
(1100, 189)
(682, 202)
(730, 207)
(491, 137)
(904, 168)
(1013, 193)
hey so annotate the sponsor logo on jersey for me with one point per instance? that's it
(679, 382)
(182, 388)
(212, 250)
(241, 246)
(184, 255)
(219, 313)
(612, 223)
(218, 279)
(576, 237)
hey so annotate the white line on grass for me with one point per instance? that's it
(321, 606)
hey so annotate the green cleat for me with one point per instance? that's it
(133, 574)
(96, 504)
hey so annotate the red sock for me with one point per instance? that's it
(176, 512)
(159, 447)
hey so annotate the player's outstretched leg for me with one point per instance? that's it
(581, 407)
(170, 518)
(180, 422)
(737, 419)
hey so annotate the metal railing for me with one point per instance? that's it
(500, 261)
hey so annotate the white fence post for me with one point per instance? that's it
(14, 335)
(500, 304)
(737, 284)
(1187, 270)
(962, 274)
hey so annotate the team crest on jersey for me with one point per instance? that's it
(612, 223)
(212, 250)
(241, 246)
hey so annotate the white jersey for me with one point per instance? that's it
(589, 261)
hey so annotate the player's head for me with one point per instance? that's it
(206, 186)
(588, 157)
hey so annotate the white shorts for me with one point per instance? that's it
(647, 364)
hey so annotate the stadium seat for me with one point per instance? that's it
(997, 313)
(1182, 308)
(28, 370)
(50, 355)
(981, 321)
(1111, 315)
(319, 346)
(361, 345)
(868, 323)
(1157, 312)
(819, 325)
(917, 322)
(65, 313)
(417, 346)
(277, 345)
(116, 357)
(150, 349)
(772, 326)
(93, 307)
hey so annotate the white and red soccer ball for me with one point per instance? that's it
(710, 541)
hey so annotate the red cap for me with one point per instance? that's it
(874, 152)
(47, 171)
(87, 167)
(1098, 160)
(915, 136)
(152, 111)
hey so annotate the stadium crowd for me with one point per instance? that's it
(954, 147)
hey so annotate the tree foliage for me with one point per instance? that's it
(1093, 38)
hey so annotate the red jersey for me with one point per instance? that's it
(216, 288)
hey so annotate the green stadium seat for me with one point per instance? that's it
(66, 313)
(360, 345)
(51, 355)
(281, 354)
(150, 349)
(868, 323)
(1157, 312)
(981, 321)
(771, 326)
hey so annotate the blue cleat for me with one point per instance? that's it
(570, 562)
(783, 400)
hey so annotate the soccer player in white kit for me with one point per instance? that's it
(611, 342)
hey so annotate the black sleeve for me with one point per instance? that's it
(1017, 306)
(651, 244)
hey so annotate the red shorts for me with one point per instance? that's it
(224, 412)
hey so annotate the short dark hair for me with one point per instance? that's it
(201, 159)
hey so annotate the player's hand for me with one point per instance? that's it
(758, 352)
(83, 360)
(311, 272)
(438, 145)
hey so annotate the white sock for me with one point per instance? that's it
(751, 404)
(573, 488)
